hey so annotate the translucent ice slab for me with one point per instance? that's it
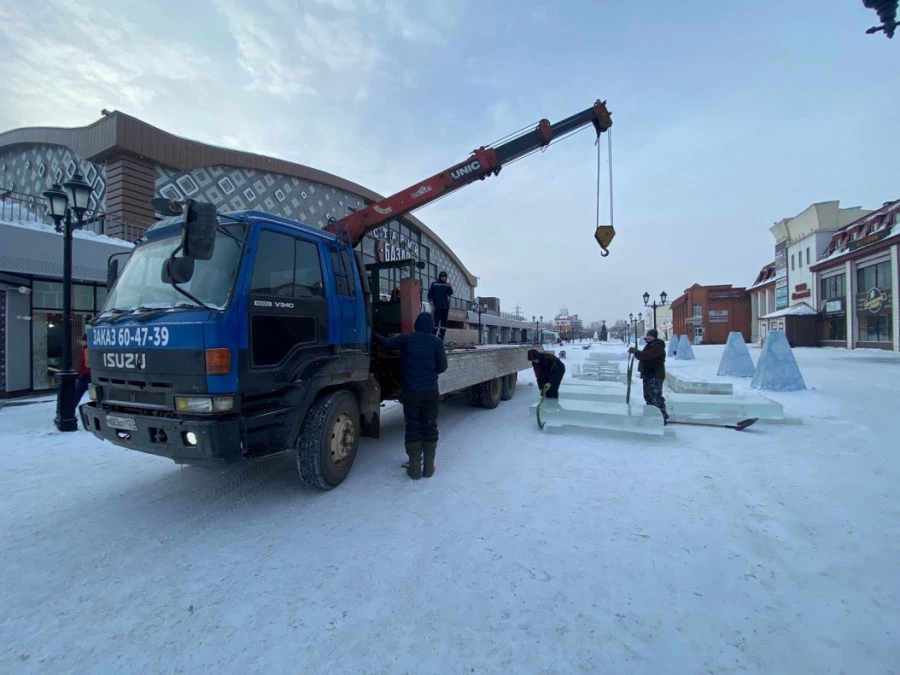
(636, 419)
(682, 385)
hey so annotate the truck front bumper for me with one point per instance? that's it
(190, 441)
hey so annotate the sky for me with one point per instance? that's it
(727, 117)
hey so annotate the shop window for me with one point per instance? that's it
(874, 276)
(875, 328)
(47, 338)
(47, 294)
(83, 297)
(834, 328)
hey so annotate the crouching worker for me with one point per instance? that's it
(423, 359)
(652, 367)
(548, 370)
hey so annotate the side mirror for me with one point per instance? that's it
(112, 273)
(177, 270)
(200, 224)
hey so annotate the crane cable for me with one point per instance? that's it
(604, 233)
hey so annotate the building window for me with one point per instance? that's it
(698, 310)
(807, 256)
(873, 276)
(792, 261)
(834, 328)
(873, 305)
(832, 287)
(800, 259)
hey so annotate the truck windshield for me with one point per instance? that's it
(141, 286)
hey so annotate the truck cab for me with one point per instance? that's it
(225, 362)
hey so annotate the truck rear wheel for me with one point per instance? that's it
(328, 440)
(509, 386)
(489, 392)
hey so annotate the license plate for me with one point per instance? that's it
(118, 422)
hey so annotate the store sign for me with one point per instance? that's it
(833, 306)
(718, 316)
(801, 291)
(781, 276)
(871, 239)
(388, 252)
(874, 301)
(394, 238)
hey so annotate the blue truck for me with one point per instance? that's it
(233, 336)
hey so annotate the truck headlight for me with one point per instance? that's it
(204, 404)
(92, 392)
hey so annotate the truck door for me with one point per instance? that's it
(287, 311)
(350, 315)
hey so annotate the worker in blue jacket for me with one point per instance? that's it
(439, 294)
(423, 358)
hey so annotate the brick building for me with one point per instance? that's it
(709, 313)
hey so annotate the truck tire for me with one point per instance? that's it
(472, 393)
(489, 392)
(328, 440)
(509, 386)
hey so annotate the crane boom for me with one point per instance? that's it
(482, 163)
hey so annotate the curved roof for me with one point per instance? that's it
(119, 134)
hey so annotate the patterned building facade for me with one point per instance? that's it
(127, 162)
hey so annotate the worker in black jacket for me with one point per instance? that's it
(652, 367)
(548, 370)
(423, 359)
(439, 294)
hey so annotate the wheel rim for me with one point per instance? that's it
(343, 436)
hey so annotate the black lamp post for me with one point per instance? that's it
(60, 205)
(634, 322)
(662, 302)
(480, 309)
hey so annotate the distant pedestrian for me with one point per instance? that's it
(423, 358)
(652, 367)
(548, 370)
(84, 371)
(439, 294)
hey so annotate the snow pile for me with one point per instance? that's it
(76, 234)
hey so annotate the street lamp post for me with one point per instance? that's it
(635, 320)
(662, 303)
(480, 309)
(60, 204)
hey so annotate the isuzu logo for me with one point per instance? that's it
(125, 360)
(465, 170)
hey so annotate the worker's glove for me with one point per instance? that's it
(632, 350)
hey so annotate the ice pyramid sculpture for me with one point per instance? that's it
(736, 360)
(673, 345)
(777, 369)
(685, 351)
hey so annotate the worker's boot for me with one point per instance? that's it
(429, 449)
(414, 450)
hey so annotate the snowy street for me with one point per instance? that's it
(773, 550)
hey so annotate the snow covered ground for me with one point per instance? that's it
(774, 550)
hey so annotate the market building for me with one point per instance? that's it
(127, 162)
(856, 283)
(783, 296)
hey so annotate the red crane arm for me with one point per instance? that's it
(482, 163)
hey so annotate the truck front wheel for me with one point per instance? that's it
(328, 440)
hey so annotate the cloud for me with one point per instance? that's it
(264, 53)
(83, 59)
